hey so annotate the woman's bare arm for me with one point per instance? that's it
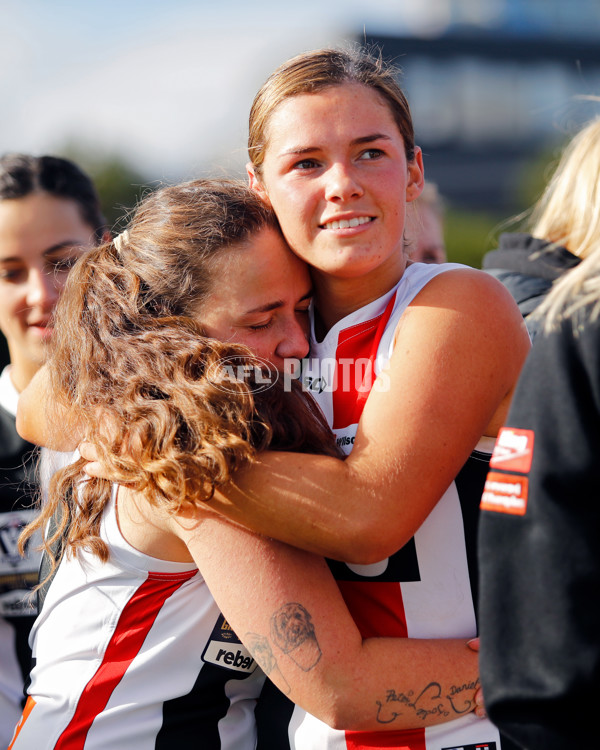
(287, 610)
(43, 419)
(459, 349)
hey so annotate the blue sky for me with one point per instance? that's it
(166, 84)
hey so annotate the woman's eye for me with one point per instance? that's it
(261, 326)
(305, 164)
(371, 153)
(11, 274)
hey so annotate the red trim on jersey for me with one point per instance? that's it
(135, 622)
(29, 706)
(376, 607)
(411, 739)
(357, 345)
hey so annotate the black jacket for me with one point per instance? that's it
(18, 491)
(528, 267)
(539, 549)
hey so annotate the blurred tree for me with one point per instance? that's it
(120, 188)
(470, 234)
(119, 184)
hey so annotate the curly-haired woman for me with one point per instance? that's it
(131, 649)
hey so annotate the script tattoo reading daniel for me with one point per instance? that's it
(429, 702)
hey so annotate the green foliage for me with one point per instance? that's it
(119, 185)
(536, 173)
(469, 235)
(120, 188)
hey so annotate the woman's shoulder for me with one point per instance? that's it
(469, 289)
(466, 314)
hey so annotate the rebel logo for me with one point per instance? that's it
(224, 649)
(240, 660)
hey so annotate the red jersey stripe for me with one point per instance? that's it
(29, 706)
(135, 622)
(357, 349)
(407, 740)
(376, 607)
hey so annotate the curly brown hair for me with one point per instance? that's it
(129, 352)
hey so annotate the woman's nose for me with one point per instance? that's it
(294, 344)
(42, 290)
(341, 183)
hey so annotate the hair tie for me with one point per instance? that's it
(120, 241)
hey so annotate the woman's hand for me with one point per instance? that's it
(94, 467)
(479, 703)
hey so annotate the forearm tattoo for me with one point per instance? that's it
(429, 702)
(259, 647)
(292, 630)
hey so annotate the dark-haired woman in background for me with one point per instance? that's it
(49, 213)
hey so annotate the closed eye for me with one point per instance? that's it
(261, 326)
(63, 264)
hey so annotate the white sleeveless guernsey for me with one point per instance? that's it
(133, 654)
(428, 588)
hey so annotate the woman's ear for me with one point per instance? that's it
(256, 184)
(416, 176)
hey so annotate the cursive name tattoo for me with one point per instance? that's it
(429, 702)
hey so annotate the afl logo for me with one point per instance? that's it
(257, 373)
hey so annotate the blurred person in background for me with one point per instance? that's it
(424, 230)
(49, 214)
(539, 544)
(564, 227)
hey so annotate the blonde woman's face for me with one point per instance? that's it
(41, 237)
(260, 299)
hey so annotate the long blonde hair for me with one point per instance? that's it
(568, 213)
(577, 289)
(129, 352)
